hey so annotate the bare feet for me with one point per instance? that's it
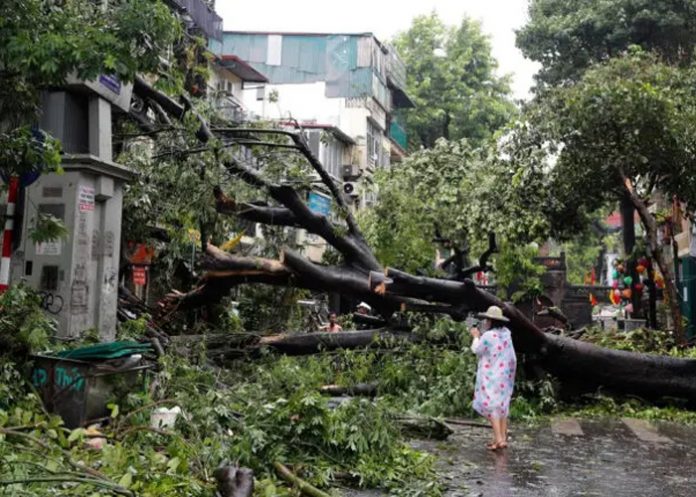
(496, 446)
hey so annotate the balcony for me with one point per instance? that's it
(396, 69)
(229, 108)
(398, 134)
(396, 80)
(202, 15)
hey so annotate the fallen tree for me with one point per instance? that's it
(389, 290)
(357, 390)
(309, 343)
(222, 347)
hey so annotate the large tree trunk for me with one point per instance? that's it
(589, 366)
(361, 276)
(663, 259)
(312, 343)
(629, 238)
(572, 361)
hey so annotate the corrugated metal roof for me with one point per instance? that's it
(351, 64)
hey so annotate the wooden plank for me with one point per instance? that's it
(569, 427)
(645, 431)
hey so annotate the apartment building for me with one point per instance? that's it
(344, 90)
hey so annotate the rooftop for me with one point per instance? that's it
(240, 68)
(303, 33)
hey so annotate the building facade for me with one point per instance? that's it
(341, 85)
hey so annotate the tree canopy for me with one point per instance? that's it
(623, 132)
(567, 36)
(453, 82)
(465, 192)
(632, 117)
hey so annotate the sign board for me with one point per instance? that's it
(107, 86)
(111, 82)
(139, 276)
(319, 203)
(49, 248)
(85, 198)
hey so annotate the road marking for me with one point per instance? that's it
(566, 426)
(645, 431)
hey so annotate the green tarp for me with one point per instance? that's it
(112, 350)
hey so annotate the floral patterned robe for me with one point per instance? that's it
(495, 377)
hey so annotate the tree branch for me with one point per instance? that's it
(144, 90)
(351, 248)
(300, 144)
(483, 260)
(330, 184)
(254, 211)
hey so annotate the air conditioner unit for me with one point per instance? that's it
(350, 188)
(351, 171)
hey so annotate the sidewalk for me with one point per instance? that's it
(570, 457)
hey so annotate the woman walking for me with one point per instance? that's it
(495, 376)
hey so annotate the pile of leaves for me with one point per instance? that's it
(262, 413)
(23, 324)
(642, 340)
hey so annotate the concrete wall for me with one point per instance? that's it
(79, 274)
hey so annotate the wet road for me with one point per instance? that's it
(615, 458)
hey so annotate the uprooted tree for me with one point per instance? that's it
(389, 290)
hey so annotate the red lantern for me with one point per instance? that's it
(639, 287)
(640, 268)
(614, 297)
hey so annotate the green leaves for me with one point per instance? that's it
(632, 115)
(568, 36)
(47, 228)
(517, 270)
(76, 434)
(452, 80)
(21, 151)
(24, 327)
(467, 192)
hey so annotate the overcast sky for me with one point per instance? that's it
(385, 18)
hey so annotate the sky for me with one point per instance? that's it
(385, 18)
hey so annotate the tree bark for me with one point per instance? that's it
(658, 253)
(312, 343)
(359, 389)
(299, 483)
(234, 482)
(629, 237)
(424, 427)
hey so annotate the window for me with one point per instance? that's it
(49, 278)
(332, 156)
(374, 145)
